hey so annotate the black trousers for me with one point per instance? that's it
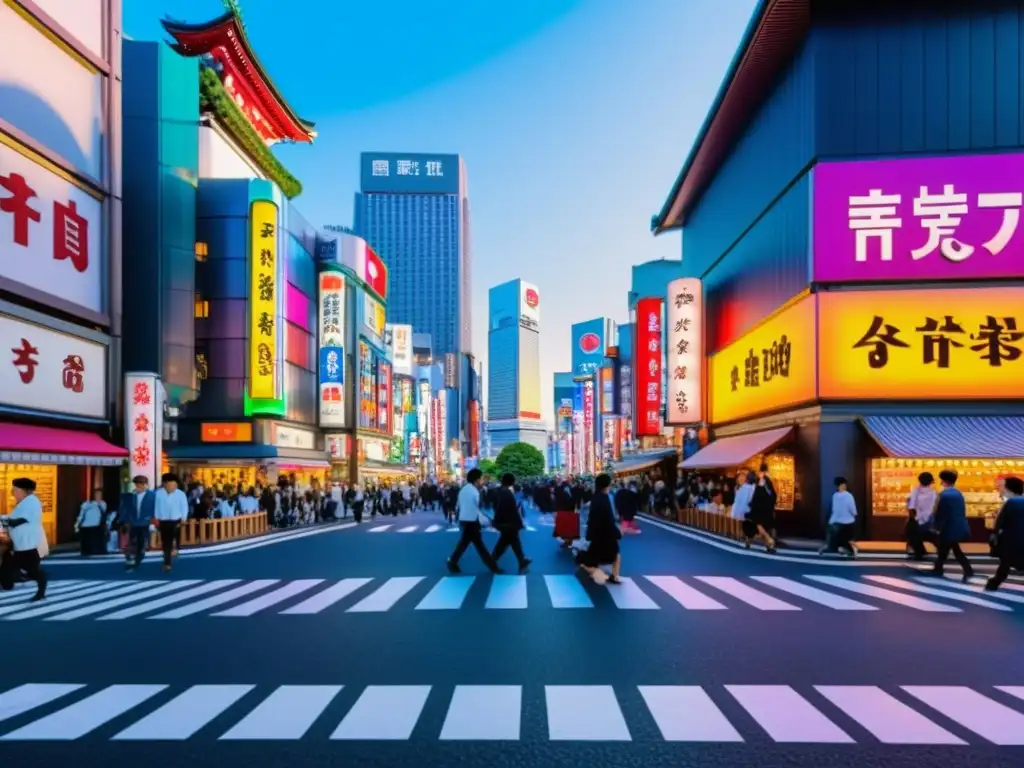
(170, 530)
(137, 545)
(944, 549)
(509, 538)
(471, 534)
(29, 562)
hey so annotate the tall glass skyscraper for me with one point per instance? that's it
(413, 210)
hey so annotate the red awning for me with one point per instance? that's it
(734, 451)
(27, 444)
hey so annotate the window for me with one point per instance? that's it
(202, 251)
(202, 308)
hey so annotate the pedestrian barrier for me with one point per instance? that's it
(712, 522)
(199, 532)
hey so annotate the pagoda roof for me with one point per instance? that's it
(224, 38)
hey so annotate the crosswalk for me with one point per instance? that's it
(938, 715)
(69, 600)
(424, 528)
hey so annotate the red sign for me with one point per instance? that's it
(532, 298)
(375, 273)
(590, 342)
(588, 425)
(647, 356)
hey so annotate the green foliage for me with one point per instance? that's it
(521, 459)
(488, 467)
(235, 7)
(214, 99)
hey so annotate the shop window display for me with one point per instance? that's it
(45, 476)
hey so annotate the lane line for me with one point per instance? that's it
(813, 594)
(484, 713)
(507, 593)
(447, 595)
(27, 697)
(106, 605)
(286, 715)
(889, 595)
(630, 597)
(687, 713)
(745, 594)
(384, 713)
(685, 595)
(326, 598)
(787, 716)
(87, 715)
(584, 713)
(269, 599)
(991, 720)
(384, 597)
(212, 602)
(180, 597)
(887, 718)
(181, 717)
(566, 591)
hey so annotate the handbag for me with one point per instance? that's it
(44, 546)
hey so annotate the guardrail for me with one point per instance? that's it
(199, 532)
(712, 522)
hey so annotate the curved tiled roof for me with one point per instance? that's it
(775, 32)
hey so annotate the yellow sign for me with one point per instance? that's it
(263, 302)
(771, 368)
(946, 344)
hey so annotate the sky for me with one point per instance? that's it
(574, 117)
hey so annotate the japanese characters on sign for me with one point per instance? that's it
(373, 321)
(648, 359)
(607, 390)
(684, 400)
(588, 425)
(401, 349)
(143, 425)
(940, 218)
(771, 368)
(49, 233)
(45, 370)
(332, 349)
(408, 167)
(964, 343)
(388, 172)
(384, 394)
(263, 302)
(367, 381)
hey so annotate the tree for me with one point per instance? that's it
(488, 467)
(521, 459)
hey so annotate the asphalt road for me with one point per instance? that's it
(352, 643)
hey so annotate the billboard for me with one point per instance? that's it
(607, 379)
(371, 320)
(384, 394)
(353, 252)
(332, 349)
(588, 346)
(409, 173)
(451, 369)
(529, 306)
(263, 291)
(143, 425)
(367, 387)
(647, 373)
(685, 352)
(933, 218)
(589, 418)
(400, 348)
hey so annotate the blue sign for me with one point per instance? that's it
(332, 365)
(409, 173)
(588, 345)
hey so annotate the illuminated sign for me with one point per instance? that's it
(647, 370)
(590, 343)
(384, 406)
(143, 425)
(332, 349)
(409, 173)
(529, 306)
(400, 347)
(263, 301)
(685, 353)
(608, 390)
(588, 426)
(771, 368)
(588, 346)
(941, 344)
(223, 432)
(373, 320)
(367, 387)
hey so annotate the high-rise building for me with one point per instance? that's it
(413, 209)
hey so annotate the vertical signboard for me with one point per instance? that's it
(367, 388)
(143, 425)
(588, 426)
(607, 390)
(384, 397)
(332, 349)
(529, 306)
(685, 353)
(400, 349)
(577, 427)
(373, 320)
(647, 367)
(442, 417)
(451, 370)
(423, 410)
(263, 288)
(435, 429)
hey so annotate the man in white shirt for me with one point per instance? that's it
(25, 526)
(469, 521)
(171, 512)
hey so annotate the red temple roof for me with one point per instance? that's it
(243, 76)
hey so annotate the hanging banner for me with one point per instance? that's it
(384, 397)
(684, 401)
(143, 425)
(332, 349)
(647, 370)
(263, 301)
(400, 348)
(588, 426)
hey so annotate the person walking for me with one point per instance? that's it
(1008, 536)
(951, 525)
(842, 521)
(603, 537)
(509, 523)
(135, 516)
(171, 510)
(25, 525)
(89, 525)
(469, 522)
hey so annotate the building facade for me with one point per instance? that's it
(513, 350)
(413, 209)
(845, 228)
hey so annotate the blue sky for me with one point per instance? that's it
(573, 116)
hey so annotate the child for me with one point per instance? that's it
(841, 522)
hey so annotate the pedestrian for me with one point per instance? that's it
(171, 510)
(627, 502)
(469, 522)
(135, 516)
(1008, 535)
(842, 521)
(358, 504)
(25, 527)
(920, 508)
(603, 536)
(89, 525)
(744, 495)
(762, 509)
(951, 525)
(509, 523)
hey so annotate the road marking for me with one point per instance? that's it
(484, 713)
(63, 599)
(584, 713)
(407, 529)
(379, 529)
(433, 528)
(892, 596)
(384, 712)
(181, 717)
(157, 588)
(684, 594)
(629, 596)
(87, 715)
(566, 592)
(447, 595)
(326, 598)
(45, 609)
(989, 719)
(180, 597)
(813, 594)
(912, 587)
(269, 599)
(507, 592)
(787, 716)
(27, 697)
(687, 713)
(285, 715)
(969, 588)
(887, 718)
(62, 588)
(213, 602)
(384, 597)
(1013, 690)
(748, 595)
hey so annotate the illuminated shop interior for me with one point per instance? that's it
(45, 476)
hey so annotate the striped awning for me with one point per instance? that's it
(948, 437)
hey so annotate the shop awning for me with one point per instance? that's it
(734, 451)
(287, 464)
(948, 437)
(631, 464)
(247, 452)
(27, 444)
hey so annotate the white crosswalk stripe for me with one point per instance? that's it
(239, 598)
(428, 528)
(574, 713)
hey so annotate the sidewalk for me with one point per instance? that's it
(973, 549)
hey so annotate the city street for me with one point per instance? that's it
(353, 643)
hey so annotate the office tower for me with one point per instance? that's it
(413, 210)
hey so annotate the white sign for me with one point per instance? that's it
(684, 396)
(529, 305)
(289, 437)
(401, 349)
(332, 345)
(45, 370)
(143, 425)
(375, 449)
(49, 233)
(82, 18)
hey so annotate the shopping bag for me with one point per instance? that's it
(44, 547)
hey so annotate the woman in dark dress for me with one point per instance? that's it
(602, 536)
(762, 509)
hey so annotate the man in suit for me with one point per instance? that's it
(508, 523)
(135, 515)
(951, 525)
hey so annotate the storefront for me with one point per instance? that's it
(657, 464)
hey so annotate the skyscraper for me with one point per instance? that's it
(413, 210)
